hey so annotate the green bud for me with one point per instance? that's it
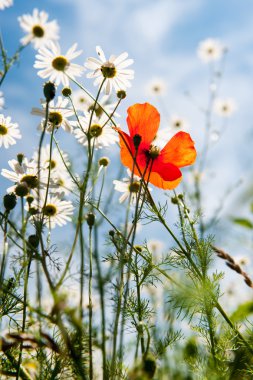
(34, 240)
(66, 91)
(104, 161)
(121, 94)
(10, 201)
(137, 141)
(20, 157)
(49, 91)
(90, 218)
(22, 189)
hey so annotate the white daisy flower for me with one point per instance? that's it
(55, 66)
(59, 113)
(1, 100)
(128, 188)
(83, 102)
(5, 4)
(224, 107)
(56, 164)
(57, 212)
(113, 71)
(156, 86)
(9, 132)
(26, 171)
(177, 123)
(38, 30)
(63, 182)
(101, 132)
(210, 50)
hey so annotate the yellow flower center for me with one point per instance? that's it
(52, 164)
(30, 180)
(38, 31)
(55, 118)
(134, 187)
(96, 130)
(60, 63)
(108, 70)
(49, 210)
(98, 110)
(3, 130)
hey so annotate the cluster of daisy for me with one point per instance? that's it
(43, 186)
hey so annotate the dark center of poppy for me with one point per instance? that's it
(108, 70)
(153, 152)
(49, 210)
(38, 31)
(177, 124)
(60, 63)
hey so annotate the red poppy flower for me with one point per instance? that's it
(159, 167)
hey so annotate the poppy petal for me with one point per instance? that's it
(158, 181)
(126, 148)
(179, 150)
(143, 120)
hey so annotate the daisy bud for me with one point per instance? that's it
(66, 91)
(174, 200)
(111, 233)
(34, 240)
(137, 141)
(20, 157)
(30, 199)
(149, 365)
(181, 196)
(138, 248)
(121, 94)
(10, 201)
(90, 218)
(22, 189)
(104, 161)
(49, 91)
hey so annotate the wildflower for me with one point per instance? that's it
(130, 187)
(159, 167)
(23, 172)
(55, 66)
(1, 100)
(85, 103)
(57, 212)
(56, 163)
(62, 181)
(5, 4)
(9, 132)
(156, 86)
(58, 115)
(113, 71)
(100, 131)
(224, 107)
(178, 123)
(210, 50)
(38, 30)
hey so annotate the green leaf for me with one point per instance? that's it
(242, 312)
(243, 222)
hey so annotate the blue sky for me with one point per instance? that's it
(162, 37)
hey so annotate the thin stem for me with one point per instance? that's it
(90, 305)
